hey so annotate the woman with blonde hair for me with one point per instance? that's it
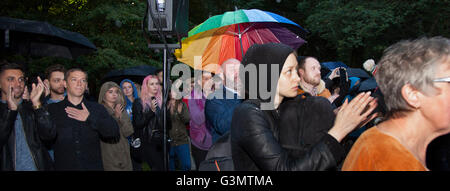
(116, 153)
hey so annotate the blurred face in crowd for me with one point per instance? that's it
(153, 86)
(15, 79)
(288, 80)
(206, 77)
(311, 73)
(56, 82)
(231, 73)
(127, 89)
(160, 76)
(76, 83)
(111, 96)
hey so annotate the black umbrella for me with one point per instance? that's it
(135, 74)
(38, 38)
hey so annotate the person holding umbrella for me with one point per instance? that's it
(220, 104)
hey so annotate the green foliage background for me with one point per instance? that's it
(341, 30)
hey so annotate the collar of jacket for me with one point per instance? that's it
(68, 103)
(318, 88)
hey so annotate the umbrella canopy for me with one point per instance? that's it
(229, 35)
(333, 65)
(351, 72)
(136, 74)
(38, 38)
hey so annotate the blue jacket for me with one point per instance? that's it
(219, 111)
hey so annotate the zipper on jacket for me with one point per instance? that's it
(15, 153)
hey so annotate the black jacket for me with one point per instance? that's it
(304, 122)
(31, 119)
(255, 144)
(77, 143)
(145, 122)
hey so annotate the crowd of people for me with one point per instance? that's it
(301, 124)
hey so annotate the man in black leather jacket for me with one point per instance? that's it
(21, 146)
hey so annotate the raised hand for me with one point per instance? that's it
(26, 94)
(46, 87)
(353, 114)
(153, 105)
(118, 109)
(80, 115)
(12, 105)
(36, 92)
(334, 73)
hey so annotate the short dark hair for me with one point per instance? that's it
(5, 65)
(66, 75)
(54, 68)
(302, 60)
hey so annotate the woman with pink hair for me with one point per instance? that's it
(148, 124)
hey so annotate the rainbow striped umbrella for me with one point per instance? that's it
(229, 35)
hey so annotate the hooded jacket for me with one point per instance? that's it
(255, 132)
(116, 155)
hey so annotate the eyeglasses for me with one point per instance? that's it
(446, 79)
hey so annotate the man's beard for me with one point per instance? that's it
(313, 81)
(57, 91)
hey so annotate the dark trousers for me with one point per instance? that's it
(137, 166)
(199, 155)
(154, 155)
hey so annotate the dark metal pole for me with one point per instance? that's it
(240, 40)
(239, 33)
(164, 109)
